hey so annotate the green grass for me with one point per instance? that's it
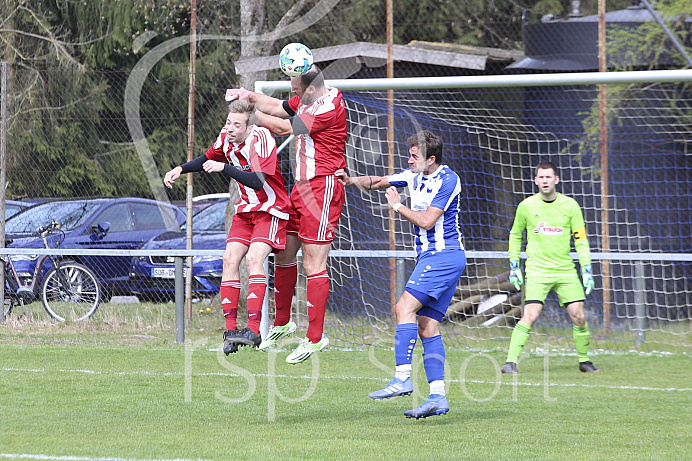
(120, 387)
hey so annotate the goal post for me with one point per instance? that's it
(495, 130)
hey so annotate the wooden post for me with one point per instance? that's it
(605, 230)
(390, 144)
(190, 153)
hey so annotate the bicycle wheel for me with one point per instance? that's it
(70, 293)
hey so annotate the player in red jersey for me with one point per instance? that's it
(316, 115)
(246, 153)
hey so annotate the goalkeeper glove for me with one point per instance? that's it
(587, 279)
(515, 276)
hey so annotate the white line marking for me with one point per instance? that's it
(81, 458)
(345, 378)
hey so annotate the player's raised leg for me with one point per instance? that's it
(315, 264)
(257, 287)
(434, 363)
(404, 344)
(230, 292)
(285, 279)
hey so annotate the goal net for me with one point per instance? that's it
(638, 210)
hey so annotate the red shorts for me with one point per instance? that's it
(258, 226)
(315, 208)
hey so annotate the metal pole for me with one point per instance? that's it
(640, 301)
(605, 230)
(400, 276)
(3, 176)
(390, 145)
(190, 153)
(494, 81)
(179, 300)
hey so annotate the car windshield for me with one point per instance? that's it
(70, 215)
(11, 210)
(212, 218)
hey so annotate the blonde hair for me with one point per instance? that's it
(244, 107)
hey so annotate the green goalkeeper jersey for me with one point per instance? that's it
(549, 227)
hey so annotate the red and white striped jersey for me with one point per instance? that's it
(322, 152)
(257, 153)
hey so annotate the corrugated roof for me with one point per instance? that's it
(438, 54)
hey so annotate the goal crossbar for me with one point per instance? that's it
(494, 81)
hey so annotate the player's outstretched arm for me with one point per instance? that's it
(362, 182)
(171, 176)
(189, 167)
(252, 179)
(278, 126)
(262, 102)
(423, 219)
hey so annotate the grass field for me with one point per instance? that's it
(120, 388)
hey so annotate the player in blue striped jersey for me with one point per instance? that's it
(434, 212)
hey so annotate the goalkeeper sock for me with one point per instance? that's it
(582, 336)
(255, 298)
(317, 296)
(230, 293)
(404, 342)
(285, 278)
(519, 337)
(434, 359)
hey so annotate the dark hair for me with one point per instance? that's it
(243, 107)
(313, 77)
(545, 165)
(428, 143)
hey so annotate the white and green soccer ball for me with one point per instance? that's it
(295, 59)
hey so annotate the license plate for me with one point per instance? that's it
(165, 272)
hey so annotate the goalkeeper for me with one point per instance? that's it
(550, 219)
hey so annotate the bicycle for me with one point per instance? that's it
(70, 290)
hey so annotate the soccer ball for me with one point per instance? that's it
(295, 59)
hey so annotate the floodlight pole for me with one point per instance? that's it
(390, 147)
(605, 229)
(3, 176)
(190, 154)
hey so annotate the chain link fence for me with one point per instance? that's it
(98, 94)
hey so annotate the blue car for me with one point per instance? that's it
(105, 224)
(12, 207)
(153, 277)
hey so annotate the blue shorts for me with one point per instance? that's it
(434, 280)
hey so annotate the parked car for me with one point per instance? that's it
(200, 202)
(124, 223)
(153, 277)
(12, 207)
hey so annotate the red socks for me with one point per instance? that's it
(318, 293)
(285, 278)
(230, 293)
(255, 298)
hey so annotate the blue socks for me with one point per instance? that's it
(433, 353)
(404, 342)
(434, 358)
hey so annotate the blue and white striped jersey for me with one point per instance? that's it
(441, 190)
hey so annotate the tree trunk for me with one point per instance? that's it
(252, 25)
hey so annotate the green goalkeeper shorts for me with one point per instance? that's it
(566, 285)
